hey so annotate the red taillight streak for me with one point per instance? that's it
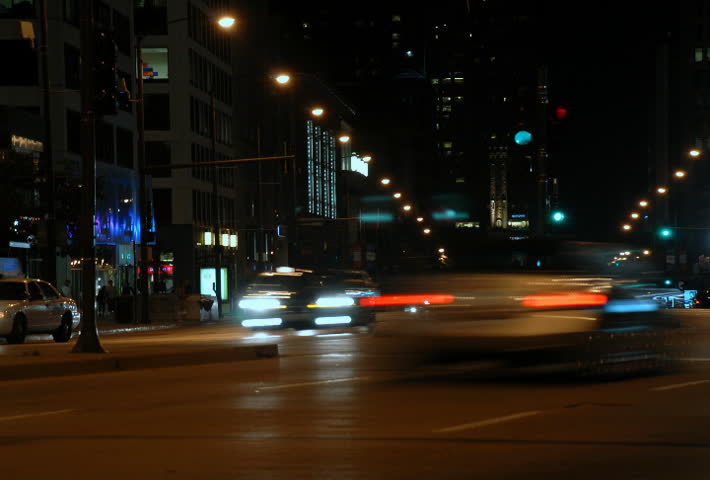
(565, 300)
(391, 300)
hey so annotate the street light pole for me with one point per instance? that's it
(216, 204)
(142, 195)
(51, 258)
(88, 341)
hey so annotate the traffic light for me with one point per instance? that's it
(523, 137)
(665, 232)
(558, 216)
(105, 74)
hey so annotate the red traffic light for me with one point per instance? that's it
(560, 112)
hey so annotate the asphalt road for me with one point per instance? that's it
(350, 405)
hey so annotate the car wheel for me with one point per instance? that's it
(19, 330)
(63, 333)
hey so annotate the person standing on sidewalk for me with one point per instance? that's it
(66, 288)
(111, 295)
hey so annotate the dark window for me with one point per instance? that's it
(151, 17)
(104, 142)
(122, 27)
(73, 131)
(71, 12)
(124, 147)
(35, 292)
(23, 59)
(156, 154)
(163, 206)
(17, 9)
(157, 112)
(102, 14)
(12, 291)
(48, 290)
(72, 67)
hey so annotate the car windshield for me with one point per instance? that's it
(292, 283)
(12, 291)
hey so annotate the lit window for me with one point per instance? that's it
(698, 55)
(396, 18)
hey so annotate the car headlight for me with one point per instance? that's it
(259, 303)
(325, 302)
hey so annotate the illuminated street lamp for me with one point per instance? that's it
(344, 139)
(679, 173)
(407, 208)
(647, 252)
(694, 153)
(626, 227)
(367, 158)
(427, 231)
(397, 195)
(283, 79)
(226, 22)
(385, 181)
(420, 219)
(317, 111)
(442, 250)
(643, 203)
(661, 190)
(634, 215)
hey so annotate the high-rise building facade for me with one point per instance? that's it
(40, 98)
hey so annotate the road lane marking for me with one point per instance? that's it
(679, 385)
(38, 414)
(571, 317)
(490, 421)
(308, 384)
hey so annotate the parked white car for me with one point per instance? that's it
(30, 305)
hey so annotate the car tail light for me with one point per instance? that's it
(561, 300)
(418, 299)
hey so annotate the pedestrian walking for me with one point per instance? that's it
(101, 300)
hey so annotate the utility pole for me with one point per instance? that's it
(142, 194)
(88, 341)
(216, 204)
(51, 255)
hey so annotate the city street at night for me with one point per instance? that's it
(340, 405)
(348, 403)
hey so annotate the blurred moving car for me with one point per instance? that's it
(35, 306)
(567, 315)
(354, 283)
(301, 298)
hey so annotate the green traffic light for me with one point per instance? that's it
(558, 216)
(665, 232)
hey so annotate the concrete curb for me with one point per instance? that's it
(88, 363)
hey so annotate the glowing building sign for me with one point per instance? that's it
(358, 165)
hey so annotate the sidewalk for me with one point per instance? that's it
(221, 342)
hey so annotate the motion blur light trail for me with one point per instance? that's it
(419, 299)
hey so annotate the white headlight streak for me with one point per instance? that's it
(342, 320)
(333, 302)
(259, 303)
(261, 322)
